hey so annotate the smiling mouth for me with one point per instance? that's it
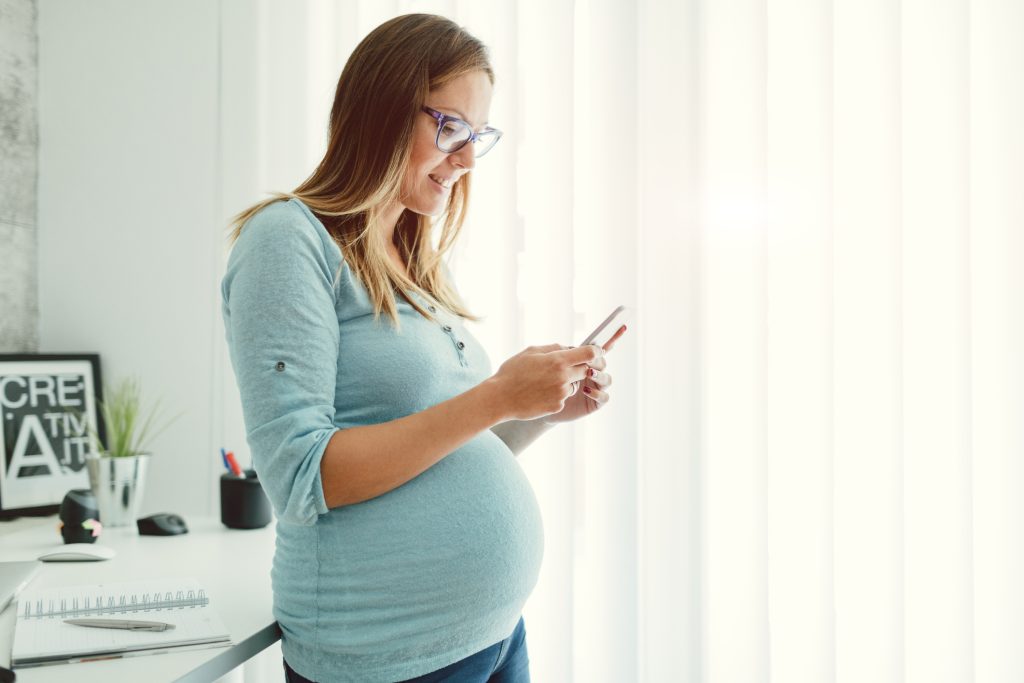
(446, 184)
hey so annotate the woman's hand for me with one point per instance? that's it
(537, 381)
(592, 393)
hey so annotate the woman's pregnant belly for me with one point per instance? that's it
(461, 542)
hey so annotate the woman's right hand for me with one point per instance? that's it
(536, 381)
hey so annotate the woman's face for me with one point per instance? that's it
(469, 98)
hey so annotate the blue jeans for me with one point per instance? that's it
(503, 662)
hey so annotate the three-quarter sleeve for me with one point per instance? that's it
(282, 334)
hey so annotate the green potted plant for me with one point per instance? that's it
(117, 474)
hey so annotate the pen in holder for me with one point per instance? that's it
(243, 504)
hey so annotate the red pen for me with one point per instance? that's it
(234, 464)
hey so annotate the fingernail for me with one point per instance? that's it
(586, 390)
(590, 372)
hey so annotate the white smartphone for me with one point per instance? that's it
(605, 331)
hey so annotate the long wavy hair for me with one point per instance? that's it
(380, 92)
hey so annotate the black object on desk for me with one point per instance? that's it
(78, 506)
(161, 524)
(243, 504)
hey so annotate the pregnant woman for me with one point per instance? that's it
(408, 537)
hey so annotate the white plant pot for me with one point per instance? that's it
(118, 485)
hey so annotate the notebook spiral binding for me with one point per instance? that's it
(110, 604)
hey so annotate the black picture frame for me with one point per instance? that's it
(47, 402)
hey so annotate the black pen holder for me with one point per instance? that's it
(243, 504)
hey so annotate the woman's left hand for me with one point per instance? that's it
(592, 393)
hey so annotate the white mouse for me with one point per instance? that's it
(77, 552)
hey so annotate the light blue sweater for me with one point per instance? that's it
(419, 577)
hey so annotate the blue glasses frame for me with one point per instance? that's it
(474, 137)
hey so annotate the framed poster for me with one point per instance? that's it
(47, 404)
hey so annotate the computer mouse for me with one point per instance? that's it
(77, 552)
(162, 524)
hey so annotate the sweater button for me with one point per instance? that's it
(462, 345)
(447, 328)
(280, 366)
(432, 309)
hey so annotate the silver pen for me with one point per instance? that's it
(129, 624)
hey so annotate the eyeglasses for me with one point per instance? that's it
(453, 133)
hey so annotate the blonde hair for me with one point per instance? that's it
(381, 89)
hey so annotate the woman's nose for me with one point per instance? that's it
(464, 156)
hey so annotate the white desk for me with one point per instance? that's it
(233, 565)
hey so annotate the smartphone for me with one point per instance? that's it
(606, 330)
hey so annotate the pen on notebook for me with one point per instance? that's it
(126, 624)
(224, 458)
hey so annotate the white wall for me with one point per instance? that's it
(129, 221)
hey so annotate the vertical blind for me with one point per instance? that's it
(811, 466)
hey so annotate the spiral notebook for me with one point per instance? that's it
(42, 637)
